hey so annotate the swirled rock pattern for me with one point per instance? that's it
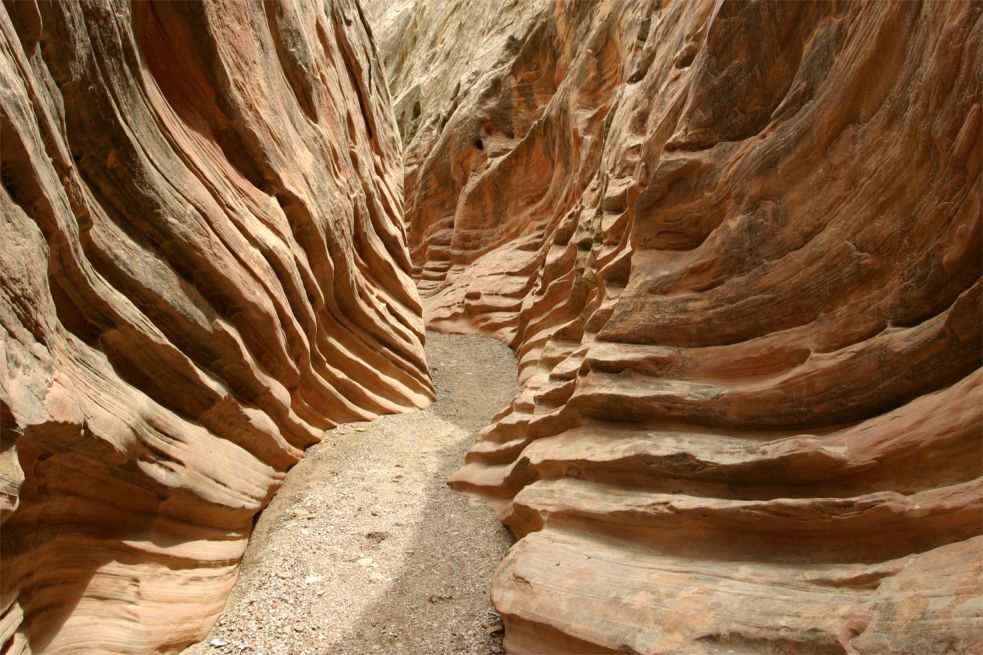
(737, 248)
(203, 268)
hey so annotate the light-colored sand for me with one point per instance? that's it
(365, 548)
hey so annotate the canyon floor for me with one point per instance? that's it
(365, 548)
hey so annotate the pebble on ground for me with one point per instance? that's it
(365, 548)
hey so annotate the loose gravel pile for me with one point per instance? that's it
(365, 548)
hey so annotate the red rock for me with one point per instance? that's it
(203, 268)
(736, 247)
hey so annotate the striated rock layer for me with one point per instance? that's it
(203, 268)
(737, 248)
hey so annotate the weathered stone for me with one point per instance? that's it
(737, 248)
(203, 268)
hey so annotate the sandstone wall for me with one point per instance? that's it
(737, 248)
(203, 267)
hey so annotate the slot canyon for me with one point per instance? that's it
(734, 247)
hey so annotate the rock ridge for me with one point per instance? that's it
(736, 247)
(203, 269)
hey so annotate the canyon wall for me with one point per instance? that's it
(737, 248)
(203, 268)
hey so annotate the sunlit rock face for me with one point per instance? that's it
(737, 249)
(203, 268)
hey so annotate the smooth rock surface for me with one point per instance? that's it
(203, 269)
(737, 249)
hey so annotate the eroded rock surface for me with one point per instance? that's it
(203, 268)
(737, 249)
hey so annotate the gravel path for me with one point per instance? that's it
(365, 548)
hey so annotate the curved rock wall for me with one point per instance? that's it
(737, 248)
(203, 268)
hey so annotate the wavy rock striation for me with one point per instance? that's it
(737, 249)
(203, 268)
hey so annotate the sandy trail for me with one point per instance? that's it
(365, 548)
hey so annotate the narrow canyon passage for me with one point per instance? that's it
(365, 548)
(734, 246)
